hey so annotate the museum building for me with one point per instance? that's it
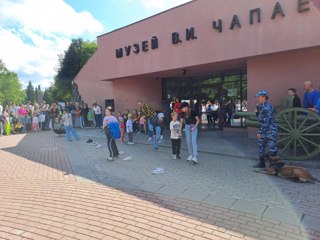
(205, 50)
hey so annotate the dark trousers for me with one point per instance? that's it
(130, 135)
(176, 145)
(85, 120)
(98, 118)
(112, 146)
(209, 118)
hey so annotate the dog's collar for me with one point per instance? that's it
(277, 165)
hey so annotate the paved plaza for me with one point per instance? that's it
(53, 189)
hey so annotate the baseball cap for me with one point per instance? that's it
(262, 93)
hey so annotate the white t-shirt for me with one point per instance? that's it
(35, 120)
(174, 128)
(97, 109)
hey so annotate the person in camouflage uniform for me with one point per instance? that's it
(267, 133)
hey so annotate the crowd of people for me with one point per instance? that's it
(176, 116)
(25, 118)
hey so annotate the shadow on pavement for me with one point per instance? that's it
(218, 203)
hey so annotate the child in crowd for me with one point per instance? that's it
(18, 127)
(58, 127)
(42, 120)
(135, 116)
(78, 123)
(7, 127)
(156, 132)
(143, 127)
(68, 125)
(175, 137)
(129, 126)
(90, 117)
(35, 123)
(122, 126)
(161, 123)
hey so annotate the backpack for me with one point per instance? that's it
(114, 130)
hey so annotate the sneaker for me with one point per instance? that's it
(189, 158)
(94, 144)
(130, 143)
(161, 137)
(98, 146)
(178, 157)
(121, 153)
(194, 160)
(90, 140)
(174, 157)
(110, 158)
(149, 139)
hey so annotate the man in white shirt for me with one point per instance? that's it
(97, 114)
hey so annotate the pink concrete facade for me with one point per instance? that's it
(278, 53)
(278, 72)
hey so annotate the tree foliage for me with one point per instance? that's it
(30, 93)
(70, 63)
(10, 86)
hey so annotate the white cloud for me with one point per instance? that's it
(34, 32)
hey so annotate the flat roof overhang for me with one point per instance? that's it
(204, 69)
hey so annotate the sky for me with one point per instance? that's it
(34, 32)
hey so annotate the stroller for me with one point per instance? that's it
(58, 127)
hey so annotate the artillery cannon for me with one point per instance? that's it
(298, 132)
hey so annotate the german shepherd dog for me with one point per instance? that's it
(298, 174)
(295, 173)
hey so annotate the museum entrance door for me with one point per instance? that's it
(217, 97)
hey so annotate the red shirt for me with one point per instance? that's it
(176, 107)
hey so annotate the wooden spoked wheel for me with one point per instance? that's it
(298, 133)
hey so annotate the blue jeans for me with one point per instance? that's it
(70, 130)
(192, 140)
(78, 122)
(156, 137)
(150, 128)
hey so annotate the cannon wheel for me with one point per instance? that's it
(298, 133)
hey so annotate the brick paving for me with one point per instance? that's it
(44, 195)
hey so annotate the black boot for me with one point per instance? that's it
(261, 163)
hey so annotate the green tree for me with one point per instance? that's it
(30, 93)
(70, 63)
(50, 94)
(10, 86)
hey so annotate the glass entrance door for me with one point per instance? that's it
(217, 97)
